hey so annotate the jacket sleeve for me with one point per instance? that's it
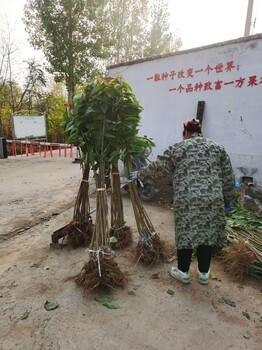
(159, 168)
(228, 179)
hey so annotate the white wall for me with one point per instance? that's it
(233, 114)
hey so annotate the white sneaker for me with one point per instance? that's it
(179, 275)
(203, 277)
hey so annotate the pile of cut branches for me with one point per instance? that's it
(243, 256)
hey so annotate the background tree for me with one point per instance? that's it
(19, 97)
(25, 98)
(140, 29)
(129, 25)
(52, 104)
(7, 50)
(161, 40)
(27, 92)
(71, 34)
(34, 81)
(5, 112)
(80, 37)
(15, 97)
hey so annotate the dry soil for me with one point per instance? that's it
(37, 197)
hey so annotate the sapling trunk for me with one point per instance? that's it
(150, 248)
(101, 235)
(101, 270)
(121, 232)
(79, 231)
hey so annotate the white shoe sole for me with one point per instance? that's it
(179, 278)
(203, 282)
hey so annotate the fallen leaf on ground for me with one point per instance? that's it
(213, 304)
(25, 315)
(246, 314)
(170, 291)
(131, 292)
(107, 301)
(247, 335)
(171, 259)
(49, 305)
(229, 302)
(213, 276)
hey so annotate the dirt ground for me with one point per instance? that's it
(37, 197)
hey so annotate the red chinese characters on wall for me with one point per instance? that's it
(179, 76)
(218, 84)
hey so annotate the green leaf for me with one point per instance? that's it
(77, 98)
(113, 239)
(247, 335)
(111, 305)
(171, 259)
(110, 136)
(229, 302)
(170, 291)
(25, 315)
(107, 301)
(246, 314)
(103, 299)
(213, 276)
(104, 107)
(49, 305)
(99, 117)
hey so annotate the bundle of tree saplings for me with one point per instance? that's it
(120, 233)
(243, 256)
(101, 117)
(78, 232)
(101, 270)
(125, 110)
(150, 247)
(82, 223)
(131, 146)
(122, 128)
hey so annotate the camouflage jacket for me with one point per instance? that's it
(203, 181)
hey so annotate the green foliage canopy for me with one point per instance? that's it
(104, 122)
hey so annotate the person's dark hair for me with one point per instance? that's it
(193, 125)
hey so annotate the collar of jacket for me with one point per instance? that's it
(195, 134)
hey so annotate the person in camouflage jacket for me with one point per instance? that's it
(203, 183)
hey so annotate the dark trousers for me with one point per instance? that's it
(204, 254)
